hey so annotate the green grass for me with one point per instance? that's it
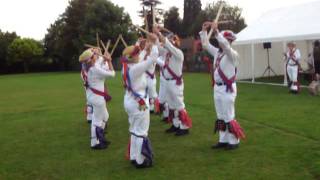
(43, 134)
(303, 79)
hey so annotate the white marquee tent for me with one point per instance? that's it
(299, 23)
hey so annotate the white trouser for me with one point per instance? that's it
(224, 104)
(162, 97)
(175, 100)
(89, 111)
(293, 76)
(139, 122)
(100, 116)
(152, 91)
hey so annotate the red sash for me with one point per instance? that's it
(171, 72)
(225, 79)
(105, 94)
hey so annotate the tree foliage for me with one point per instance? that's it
(173, 21)
(194, 17)
(232, 14)
(192, 9)
(6, 38)
(79, 24)
(25, 51)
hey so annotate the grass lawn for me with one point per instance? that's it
(304, 79)
(43, 134)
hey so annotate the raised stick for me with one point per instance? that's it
(108, 45)
(103, 46)
(98, 40)
(141, 29)
(123, 41)
(216, 20)
(90, 46)
(115, 45)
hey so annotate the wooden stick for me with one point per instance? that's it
(108, 45)
(98, 41)
(123, 41)
(90, 46)
(146, 21)
(115, 45)
(225, 22)
(216, 20)
(139, 28)
(103, 46)
(165, 29)
(153, 16)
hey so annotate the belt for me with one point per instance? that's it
(171, 79)
(222, 84)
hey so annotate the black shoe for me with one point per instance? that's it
(172, 129)
(219, 145)
(182, 132)
(133, 162)
(108, 142)
(232, 146)
(100, 146)
(151, 111)
(165, 119)
(145, 164)
(89, 121)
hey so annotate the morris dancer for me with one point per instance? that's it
(96, 94)
(225, 89)
(172, 73)
(136, 102)
(151, 79)
(293, 57)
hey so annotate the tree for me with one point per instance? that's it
(79, 24)
(6, 38)
(24, 50)
(148, 6)
(232, 14)
(109, 21)
(172, 20)
(192, 9)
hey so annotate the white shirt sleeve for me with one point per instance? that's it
(175, 51)
(298, 55)
(141, 67)
(206, 44)
(160, 62)
(103, 73)
(227, 49)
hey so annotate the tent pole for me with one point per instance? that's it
(285, 82)
(252, 62)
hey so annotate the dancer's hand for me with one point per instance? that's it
(152, 37)
(107, 56)
(206, 25)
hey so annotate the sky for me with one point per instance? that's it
(31, 18)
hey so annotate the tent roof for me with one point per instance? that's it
(299, 22)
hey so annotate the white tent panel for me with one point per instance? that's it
(285, 24)
(261, 58)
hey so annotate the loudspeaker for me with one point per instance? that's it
(267, 45)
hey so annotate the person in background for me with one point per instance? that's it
(293, 57)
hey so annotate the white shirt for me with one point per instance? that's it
(175, 61)
(96, 77)
(297, 56)
(228, 62)
(137, 72)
